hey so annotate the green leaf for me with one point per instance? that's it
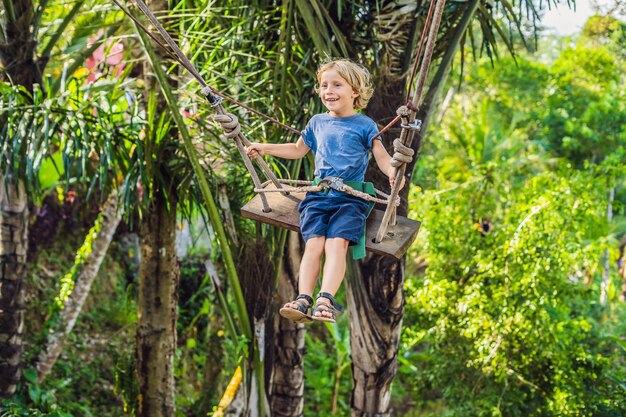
(191, 343)
(34, 393)
(30, 375)
(51, 170)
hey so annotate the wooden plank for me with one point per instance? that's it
(284, 213)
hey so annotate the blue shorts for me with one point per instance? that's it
(333, 215)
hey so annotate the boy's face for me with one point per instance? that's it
(336, 94)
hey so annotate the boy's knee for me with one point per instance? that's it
(337, 243)
(315, 244)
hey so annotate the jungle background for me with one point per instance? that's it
(131, 285)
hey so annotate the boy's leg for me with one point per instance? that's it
(310, 266)
(334, 269)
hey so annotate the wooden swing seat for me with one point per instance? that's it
(284, 213)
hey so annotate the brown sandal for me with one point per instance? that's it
(323, 307)
(301, 313)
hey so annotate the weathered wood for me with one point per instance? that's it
(285, 214)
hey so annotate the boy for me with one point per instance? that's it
(330, 222)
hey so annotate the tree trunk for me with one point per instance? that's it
(375, 291)
(17, 46)
(158, 300)
(256, 274)
(13, 249)
(105, 227)
(287, 381)
(376, 310)
(17, 65)
(159, 273)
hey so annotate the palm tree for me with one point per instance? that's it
(158, 272)
(228, 65)
(29, 126)
(17, 65)
(18, 44)
(14, 220)
(172, 177)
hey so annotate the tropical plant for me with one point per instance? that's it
(26, 138)
(504, 237)
(507, 304)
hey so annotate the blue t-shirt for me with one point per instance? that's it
(340, 144)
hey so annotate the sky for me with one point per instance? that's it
(564, 21)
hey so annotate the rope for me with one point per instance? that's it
(230, 124)
(176, 54)
(308, 188)
(416, 62)
(410, 125)
(429, 17)
(428, 53)
(402, 155)
(258, 113)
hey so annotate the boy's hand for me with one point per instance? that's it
(255, 149)
(392, 179)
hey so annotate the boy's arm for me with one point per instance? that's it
(282, 150)
(383, 160)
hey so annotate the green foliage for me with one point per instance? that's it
(126, 386)
(41, 403)
(67, 281)
(327, 371)
(85, 129)
(501, 323)
(82, 381)
(573, 107)
(585, 115)
(606, 31)
(502, 309)
(207, 352)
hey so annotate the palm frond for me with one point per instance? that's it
(34, 127)
(61, 28)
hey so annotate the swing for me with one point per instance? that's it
(275, 203)
(284, 213)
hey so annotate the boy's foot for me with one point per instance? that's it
(298, 310)
(326, 308)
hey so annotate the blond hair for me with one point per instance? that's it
(356, 75)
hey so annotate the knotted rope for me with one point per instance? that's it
(402, 154)
(230, 124)
(307, 187)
